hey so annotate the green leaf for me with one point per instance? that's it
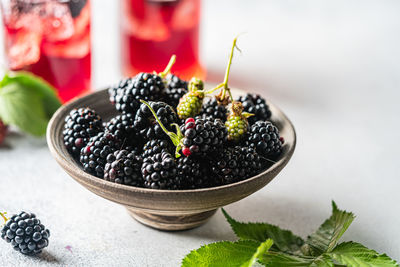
(280, 259)
(22, 107)
(241, 254)
(357, 255)
(284, 240)
(329, 233)
(27, 102)
(46, 92)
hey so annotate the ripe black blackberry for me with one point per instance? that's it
(156, 146)
(146, 124)
(26, 234)
(191, 173)
(211, 108)
(127, 94)
(122, 128)
(123, 167)
(264, 137)
(235, 164)
(80, 125)
(202, 136)
(255, 104)
(159, 171)
(93, 156)
(175, 89)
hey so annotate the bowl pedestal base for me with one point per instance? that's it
(170, 221)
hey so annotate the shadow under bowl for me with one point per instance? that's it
(163, 209)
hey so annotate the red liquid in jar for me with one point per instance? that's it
(45, 39)
(153, 30)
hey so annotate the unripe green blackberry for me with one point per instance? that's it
(190, 104)
(237, 123)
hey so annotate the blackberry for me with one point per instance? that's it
(211, 108)
(93, 156)
(237, 123)
(127, 94)
(264, 137)
(159, 171)
(235, 164)
(122, 128)
(26, 233)
(255, 104)
(190, 104)
(174, 82)
(202, 136)
(76, 6)
(123, 167)
(156, 146)
(147, 125)
(191, 174)
(80, 125)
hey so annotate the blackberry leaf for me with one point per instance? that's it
(243, 253)
(279, 259)
(284, 240)
(355, 254)
(329, 233)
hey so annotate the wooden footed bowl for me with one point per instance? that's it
(163, 209)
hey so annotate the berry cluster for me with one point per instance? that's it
(169, 135)
(25, 233)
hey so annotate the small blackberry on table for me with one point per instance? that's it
(159, 171)
(123, 167)
(234, 164)
(264, 137)
(26, 233)
(80, 125)
(255, 104)
(147, 125)
(93, 156)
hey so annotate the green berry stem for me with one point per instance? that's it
(175, 137)
(3, 215)
(168, 67)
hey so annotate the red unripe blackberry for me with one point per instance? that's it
(256, 105)
(123, 167)
(26, 233)
(93, 156)
(146, 124)
(159, 171)
(80, 125)
(264, 137)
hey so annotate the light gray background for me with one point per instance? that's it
(332, 66)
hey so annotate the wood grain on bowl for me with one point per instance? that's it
(163, 209)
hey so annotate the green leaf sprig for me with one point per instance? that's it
(27, 102)
(274, 247)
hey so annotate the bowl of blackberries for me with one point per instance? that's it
(171, 151)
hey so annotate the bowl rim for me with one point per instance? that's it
(77, 173)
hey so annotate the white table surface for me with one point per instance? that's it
(332, 66)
